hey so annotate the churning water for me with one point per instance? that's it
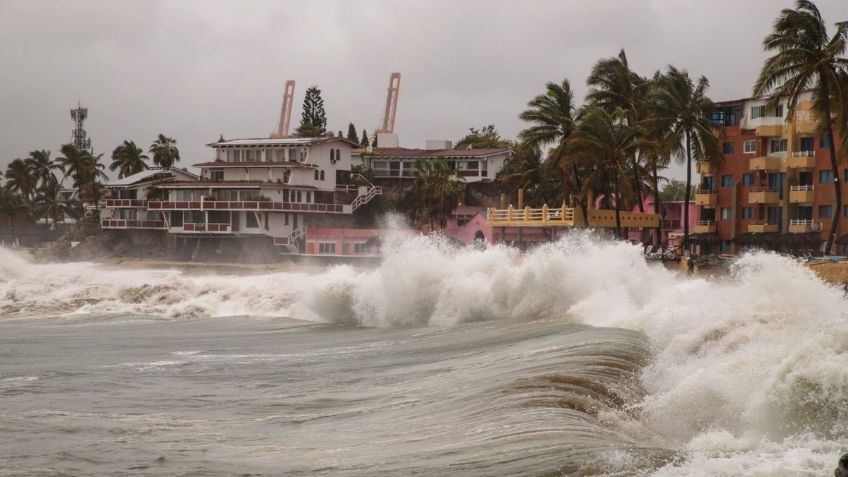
(576, 359)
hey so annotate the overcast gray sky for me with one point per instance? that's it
(197, 69)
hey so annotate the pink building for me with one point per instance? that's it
(343, 241)
(672, 221)
(467, 224)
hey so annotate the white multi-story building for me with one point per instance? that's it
(260, 187)
(469, 165)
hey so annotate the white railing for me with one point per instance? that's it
(705, 223)
(801, 188)
(363, 199)
(806, 222)
(803, 153)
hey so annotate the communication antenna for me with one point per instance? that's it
(79, 137)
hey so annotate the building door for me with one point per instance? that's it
(775, 181)
(774, 215)
(805, 178)
(805, 212)
(234, 221)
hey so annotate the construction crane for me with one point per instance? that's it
(391, 105)
(285, 112)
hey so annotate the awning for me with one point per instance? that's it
(805, 239)
(756, 238)
(704, 239)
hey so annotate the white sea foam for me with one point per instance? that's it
(749, 377)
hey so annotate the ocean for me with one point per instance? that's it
(577, 358)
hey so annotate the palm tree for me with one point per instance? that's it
(621, 92)
(13, 209)
(806, 58)
(437, 189)
(606, 144)
(128, 159)
(551, 116)
(81, 166)
(50, 203)
(20, 178)
(683, 107)
(164, 151)
(42, 167)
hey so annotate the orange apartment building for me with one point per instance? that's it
(775, 186)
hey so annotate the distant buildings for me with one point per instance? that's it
(274, 188)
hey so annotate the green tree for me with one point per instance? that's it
(82, 167)
(436, 190)
(527, 169)
(364, 141)
(128, 159)
(551, 118)
(683, 107)
(621, 92)
(606, 144)
(14, 209)
(351, 133)
(164, 151)
(313, 122)
(806, 58)
(485, 137)
(673, 191)
(20, 178)
(51, 204)
(42, 167)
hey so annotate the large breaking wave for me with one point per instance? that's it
(749, 374)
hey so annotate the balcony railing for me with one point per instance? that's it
(211, 228)
(803, 159)
(705, 198)
(763, 195)
(766, 163)
(115, 203)
(262, 206)
(762, 227)
(800, 226)
(804, 154)
(801, 194)
(705, 227)
(704, 168)
(131, 224)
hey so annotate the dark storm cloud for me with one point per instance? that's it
(197, 69)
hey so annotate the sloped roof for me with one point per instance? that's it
(154, 173)
(286, 141)
(404, 152)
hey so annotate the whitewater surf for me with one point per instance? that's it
(578, 358)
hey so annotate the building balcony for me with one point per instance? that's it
(801, 194)
(125, 203)
(704, 168)
(802, 226)
(249, 205)
(763, 195)
(207, 228)
(803, 160)
(122, 224)
(706, 198)
(705, 227)
(766, 163)
(806, 121)
(762, 227)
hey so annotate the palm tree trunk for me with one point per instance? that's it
(657, 203)
(580, 198)
(837, 186)
(617, 206)
(637, 184)
(687, 193)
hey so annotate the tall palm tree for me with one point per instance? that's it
(42, 167)
(164, 151)
(82, 167)
(607, 145)
(436, 187)
(13, 208)
(616, 88)
(50, 203)
(552, 118)
(20, 178)
(806, 58)
(683, 107)
(128, 159)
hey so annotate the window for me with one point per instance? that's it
(747, 212)
(250, 220)
(176, 218)
(327, 247)
(724, 246)
(237, 156)
(322, 174)
(308, 196)
(845, 211)
(778, 111)
(758, 111)
(777, 145)
(750, 146)
(316, 174)
(807, 144)
(748, 179)
(332, 155)
(285, 219)
(825, 211)
(824, 142)
(216, 175)
(360, 248)
(249, 155)
(825, 177)
(725, 213)
(727, 148)
(727, 181)
(281, 155)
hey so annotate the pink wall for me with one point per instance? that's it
(345, 240)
